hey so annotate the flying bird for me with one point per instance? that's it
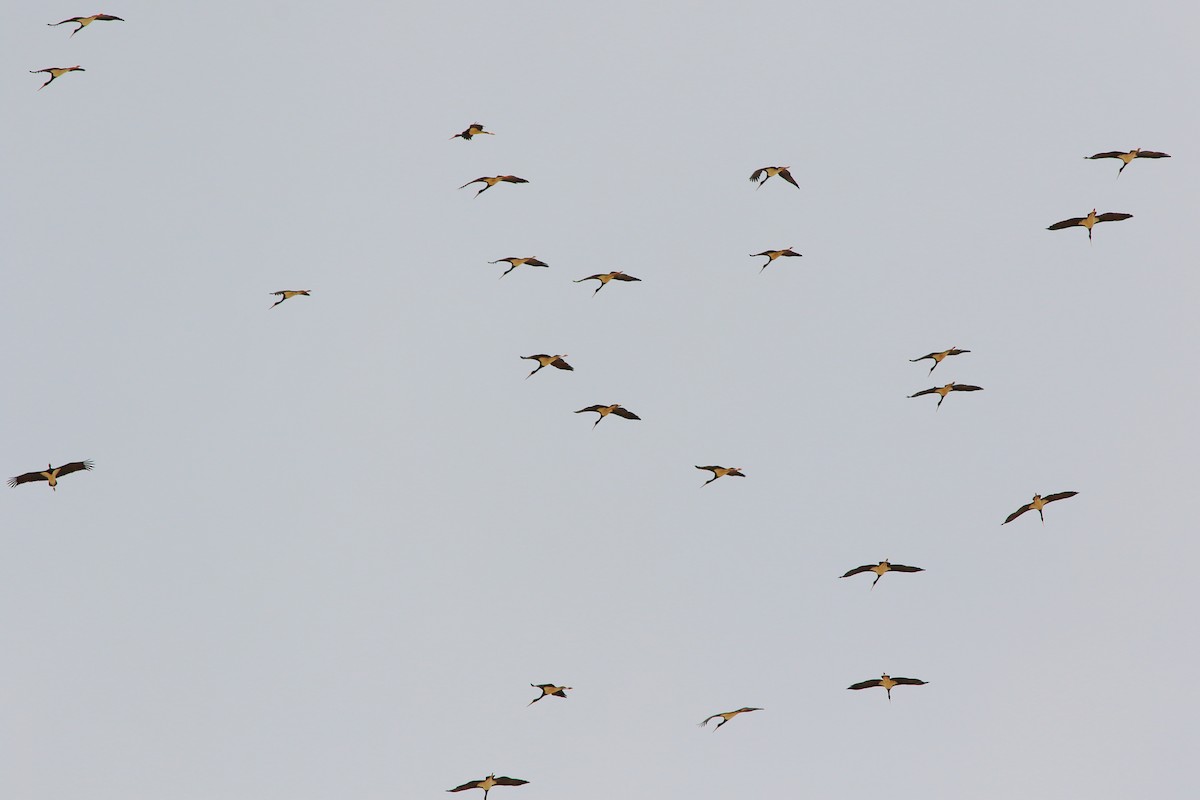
(1126, 158)
(515, 262)
(83, 22)
(728, 715)
(487, 783)
(887, 682)
(939, 357)
(51, 475)
(1037, 504)
(721, 472)
(547, 361)
(473, 130)
(55, 72)
(605, 277)
(947, 389)
(288, 294)
(493, 181)
(880, 568)
(604, 411)
(774, 254)
(771, 172)
(1090, 220)
(548, 689)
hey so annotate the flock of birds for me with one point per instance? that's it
(52, 474)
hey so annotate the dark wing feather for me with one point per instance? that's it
(1109, 154)
(856, 570)
(1112, 216)
(922, 358)
(1017, 513)
(1066, 223)
(910, 681)
(468, 183)
(754, 179)
(1050, 498)
(620, 276)
(533, 262)
(763, 253)
(1152, 154)
(963, 387)
(710, 469)
(787, 176)
(589, 408)
(559, 693)
(588, 278)
(558, 362)
(866, 684)
(74, 466)
(926, 391)
(513, 179)
(903, 568)
(502, 781)
(28, 477)
(109, 17)
(465, 786)
(626, 413)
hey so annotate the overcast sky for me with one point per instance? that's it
(327, 547)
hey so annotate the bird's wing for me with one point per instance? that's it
(903, 568)
(755, 175)
(533, 262)
(513, 179)
(709, 719)
(559, 693)
(964, 387)
(74, 466)
(468, 183)
(791, 252)
(1112, 216)
(763, 253)
(910, 681)
(856, 570)
(926, 391)
(1050, 498)
(626, 413)
(922, 358)
(1017, 513)
(465, 786)
(558, 362)
(620, 276)
(1152, 154)
(1066, 223)
(588, 278)
(72, 19)
(28, 477)
(109, 18)
(711, 469)
(1109, 154)
(866, 684)
(590, 408)
(502, 781)
(787, 176)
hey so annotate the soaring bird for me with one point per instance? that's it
(887, 682)
(1091, 219)
(1126, 158)
(493, 181)
(938, 357)
(605, 277)
(947, 389)
(721, 472)
(85, 21)
(771, 172)
(548, 689)
(288, 294)
(474, 129)
(51, 475)
(728, 715)
(515, 262)
(1037, 504)
(55, 72)
(880, 568)
(604, 411)
(487, 783)
(547, 361)
(774, 254)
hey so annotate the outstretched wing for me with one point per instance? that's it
(1017, 513)
(964, 387)
(1050, 498)
(621, 276)
(467, 785)
(903, 568)
(533, 262)
(710, 719)
(108, 18)
(787, 176)
(28, 477)
(558, 362)
(588, 278)
(711, 469)
(465, 185)
(503, 781)
(866, 684)
(910, 681)
(1066, 223)
(922, 358)
(754, 179)
(590, 408)
(1152, 154)
(72, 19)
(926, 391)
(512, 179)
(626, 413)
(1109, 154)
(856, 570)
(74, 466)
(1112, 216)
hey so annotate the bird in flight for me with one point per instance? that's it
(1127, 158)
(605, 277)
(721, 472)
(83, 22)
(548, 689)
(1037, 504)
(774, 254)
(771, 172)
(947, 389)
(473, 130)
(493, 181)
(547, 361)
(55, 72)
(604, 411)
(939, 357)
(515, 262)
(288, 294)
(880, 568)
(887, 682)
(487, 783)
(51, 475)
(728, 715)
(1089, 221)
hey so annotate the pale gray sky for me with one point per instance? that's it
(326, 547)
